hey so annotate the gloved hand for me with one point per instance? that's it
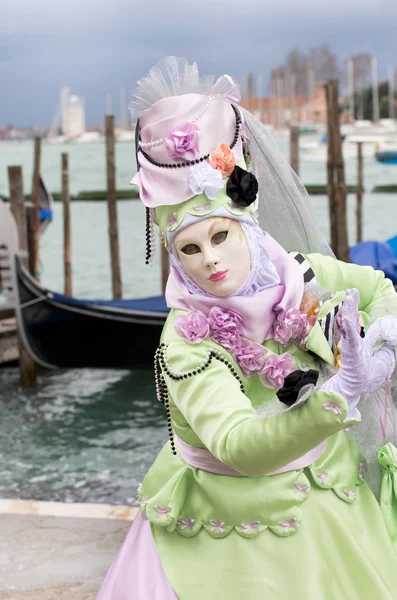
(351, 379)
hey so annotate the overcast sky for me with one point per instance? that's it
(96, 46)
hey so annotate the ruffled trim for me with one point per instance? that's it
(327, 474)
(169, 507)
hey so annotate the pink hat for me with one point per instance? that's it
(174, 135)
(183, 118)
(189, 145)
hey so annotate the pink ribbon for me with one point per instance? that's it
(201, 458)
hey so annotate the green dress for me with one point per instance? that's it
(316, 533)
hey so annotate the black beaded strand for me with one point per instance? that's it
(212, 354)
(161, 365)
(148, 237)
(168, 413)
(195, 161)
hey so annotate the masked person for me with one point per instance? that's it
(272, 366)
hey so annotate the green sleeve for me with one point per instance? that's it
(377, 294)
(222, 417)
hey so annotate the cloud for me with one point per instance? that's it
(97, 45)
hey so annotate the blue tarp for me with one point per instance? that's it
(393, 244)
(45, 214)
(378, 255)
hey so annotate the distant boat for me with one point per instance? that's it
(388, 157)
(61, 331)
(9, 242)
(8, 248)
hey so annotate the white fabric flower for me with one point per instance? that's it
(204, 179)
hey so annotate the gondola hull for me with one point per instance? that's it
(60, 331)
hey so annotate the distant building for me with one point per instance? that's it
(281, 110)
(72, 114)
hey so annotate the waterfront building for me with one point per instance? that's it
(281, 110)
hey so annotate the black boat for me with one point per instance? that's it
(61, 331)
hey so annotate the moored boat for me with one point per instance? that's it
(387, 156)
(62, 331)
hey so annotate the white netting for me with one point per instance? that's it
(173, 76)
(283, 199)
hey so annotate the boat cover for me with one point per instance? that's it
(393, 244)
(378, 255)
(150, 304)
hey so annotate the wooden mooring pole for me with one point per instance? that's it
(67, 260)
(294, 148)
(27, 366)
(36, 208)
(360, 187)
(112, 207)
(336, 186)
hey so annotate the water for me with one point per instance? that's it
(81, 436)
(88, 168)
(90, 435)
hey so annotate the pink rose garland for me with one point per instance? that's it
(193, 327)
(293, 325)
(249, 355)
(276, 369)
(225, 328)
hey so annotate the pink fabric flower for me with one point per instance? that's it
(226, 327)
(251, 526)
(304, 488)
(249, 355)
(275, 369)
(218, 525)
(193, 327)
(222, 159)
(162, 511)
(289, 325)
(183, 141)
(291, 524)
(335, 408)
(350, 493)
(186, 523)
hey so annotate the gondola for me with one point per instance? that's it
(61, 331)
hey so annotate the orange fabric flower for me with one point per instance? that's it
(338, 359)
(222, 159)
(309, 304)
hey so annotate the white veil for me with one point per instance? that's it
(283, 199)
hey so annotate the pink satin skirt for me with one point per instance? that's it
(136, 572)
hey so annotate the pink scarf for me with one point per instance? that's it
(258, 311)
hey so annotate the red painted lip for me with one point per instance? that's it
(218, 276)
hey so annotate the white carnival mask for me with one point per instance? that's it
(215, 254)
